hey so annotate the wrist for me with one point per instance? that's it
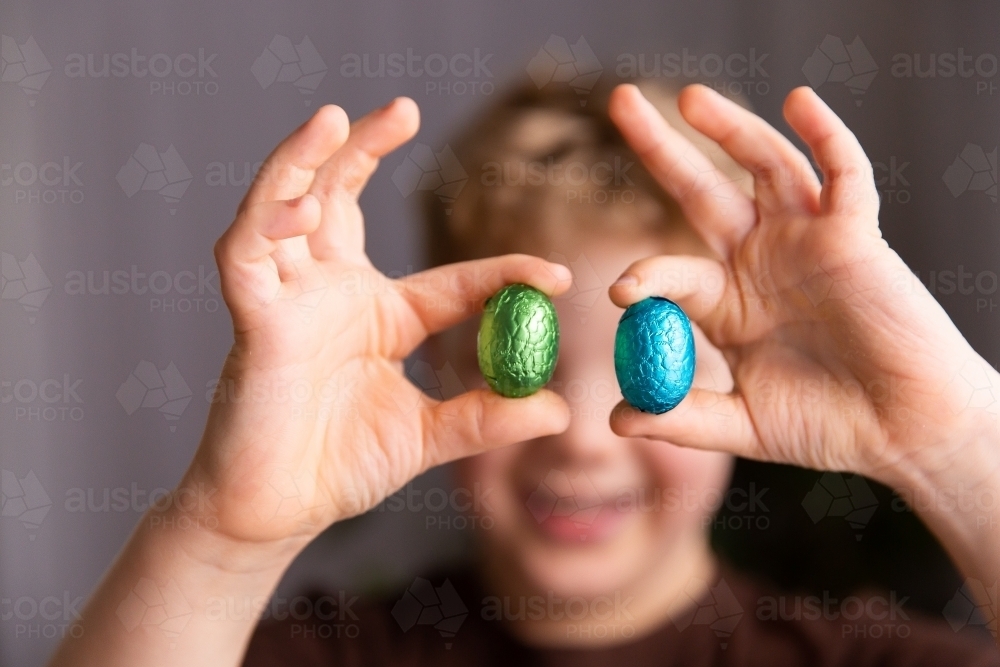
(968, 451)
(191, 524)
(960, 500)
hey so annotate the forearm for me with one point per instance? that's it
(178, 594)
(959, 500)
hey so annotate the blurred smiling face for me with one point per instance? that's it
(587, 512)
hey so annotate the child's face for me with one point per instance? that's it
(587, 512)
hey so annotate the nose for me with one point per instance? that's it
(591, 394)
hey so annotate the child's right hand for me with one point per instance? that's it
(842, 359)
(314, 420)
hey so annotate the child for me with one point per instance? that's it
(789, 284)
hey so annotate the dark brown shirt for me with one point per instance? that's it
(445, 621)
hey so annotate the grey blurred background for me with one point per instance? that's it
(139, 170)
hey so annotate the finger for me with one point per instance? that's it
(289, 169)
(705, 419)
(697, 284)
(848, 183)
(711, 370)
(783, 177)
(373, 136)
(712, 203)
(443, 297)
(481, 420)
(250, 252)
(340, 180)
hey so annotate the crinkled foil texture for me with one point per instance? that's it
(654, 355)
(518, 341)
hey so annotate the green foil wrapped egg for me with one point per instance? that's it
(518, 341)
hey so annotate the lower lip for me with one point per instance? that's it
(582, 528)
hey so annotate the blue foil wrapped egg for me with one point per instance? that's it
(654, 355)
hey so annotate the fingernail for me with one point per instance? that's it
(626, 280)
(562, 272)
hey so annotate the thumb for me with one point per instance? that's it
(480, 420)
